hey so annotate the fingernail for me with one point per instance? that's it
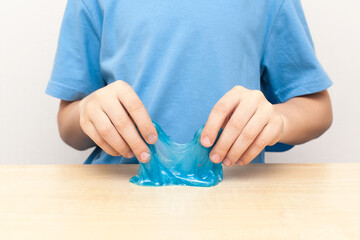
(130, 155)
(144, 157)
(151, 138)
(206, 141)
(215, 157)
(227, 162)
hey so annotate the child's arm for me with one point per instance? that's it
(255, 123)
(107, 117)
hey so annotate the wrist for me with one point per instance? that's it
(284, 131)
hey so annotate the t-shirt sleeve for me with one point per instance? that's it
(290, 67)
(76, 71)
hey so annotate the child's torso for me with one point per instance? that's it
(181, 57)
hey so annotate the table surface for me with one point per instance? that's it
(272, 201)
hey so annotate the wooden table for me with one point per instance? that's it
(274, 201)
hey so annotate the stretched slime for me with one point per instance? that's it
(178, 164)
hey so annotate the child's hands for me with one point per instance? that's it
(250, 124)
(108, 116)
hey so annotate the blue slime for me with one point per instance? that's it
(178, 164)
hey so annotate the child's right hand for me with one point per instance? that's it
(109, 115)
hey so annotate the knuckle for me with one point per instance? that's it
(238, 88)
(235, 123)
(105, 131)
(121, 121)
(248, 135)
(232, 156)
(257, 96)
(123, 150)
(122, 84)
(220, 108)
(245, 159)
(258, 93)
(220, 149)
(98, 95)
(274, 141)
(89, 107)
(138, 146)
(261, 143)
(135, 106)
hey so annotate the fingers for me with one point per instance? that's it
(244, 135)
(268, 137)
(125, 127)
(222, 109)
(110, 116)
(247, 136)
(232, 130)
(107, 132)
(90, 130)
(136, 109)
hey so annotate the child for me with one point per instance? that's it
(250, 64)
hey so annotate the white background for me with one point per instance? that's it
(28, 37)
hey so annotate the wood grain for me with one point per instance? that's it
(273, 201)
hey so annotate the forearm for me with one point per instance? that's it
(305, 118)
(69, 126)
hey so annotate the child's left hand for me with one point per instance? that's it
(250, 123)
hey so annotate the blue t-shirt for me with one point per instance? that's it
(181, 57)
